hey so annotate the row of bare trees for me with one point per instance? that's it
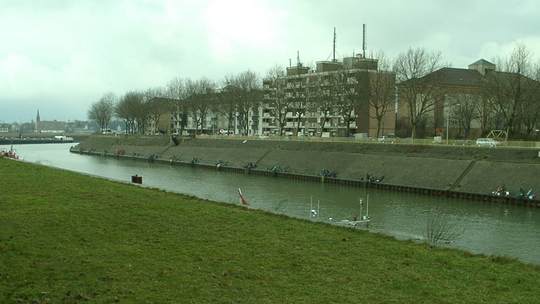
(187, 99)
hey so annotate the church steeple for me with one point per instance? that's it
(38, 120)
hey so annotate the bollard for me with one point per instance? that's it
(136, 179)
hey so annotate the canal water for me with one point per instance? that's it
(489, 228)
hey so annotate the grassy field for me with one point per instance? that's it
(68, 238)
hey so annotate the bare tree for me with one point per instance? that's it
(133, 110)
(176, 90)
(529, 110)
(192, 98)
(228, 99)
(200, 96)
(510, 88)
(417, 91)
(205, 97)
(484, 110)
(354, 96)
(102, 111)
(323, 100)
(250, 95)
(465, 110)
(122, 110)
(439, 228)
(279, 104)
(381, 92)
(157, 107)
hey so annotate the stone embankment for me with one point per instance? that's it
(468, 172)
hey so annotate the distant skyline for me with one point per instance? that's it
(59, 56)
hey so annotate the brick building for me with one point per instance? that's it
(333, 99)
(453, 89)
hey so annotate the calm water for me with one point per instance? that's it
(487, 228)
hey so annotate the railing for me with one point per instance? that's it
(397, 141)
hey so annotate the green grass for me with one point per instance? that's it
(68, 238)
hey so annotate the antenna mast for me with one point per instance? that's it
(298, 64)
(364, 41)
(334, 49)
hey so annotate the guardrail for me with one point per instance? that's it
(398, 141)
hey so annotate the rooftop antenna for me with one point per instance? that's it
(364, 41)
(334, 49)
(298, 59)
(290, 62)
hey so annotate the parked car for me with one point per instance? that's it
(226, 132)
(391, 138)
(487, 142)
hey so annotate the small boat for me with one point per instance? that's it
(360, 219)
(11, 154)
(314, 212)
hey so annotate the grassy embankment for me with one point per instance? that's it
(68, 238)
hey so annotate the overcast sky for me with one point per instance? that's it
(62, 55)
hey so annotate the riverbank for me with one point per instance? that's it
(39, 138)
(66, 237)
(34, 141)
(468, 172)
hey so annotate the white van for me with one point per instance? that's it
(487, 142)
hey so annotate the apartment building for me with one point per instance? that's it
(332, 100)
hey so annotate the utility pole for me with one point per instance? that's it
(364, 40)
(334, 48)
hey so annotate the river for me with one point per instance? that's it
(488, 228)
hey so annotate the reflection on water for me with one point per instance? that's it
(490, 228)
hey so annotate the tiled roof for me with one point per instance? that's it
(482, 61)
(456, 77)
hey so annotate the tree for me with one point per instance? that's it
(439, 229)
(529, 110)
(228, 98)
(484, 111)
(381, 92)
(176, 90)
(250, 95)
(122, 111)
(102, 111)
(133, 110)
(323, 102)
(511, 88)
(299, 101)
(157, 107)
(200, 94)
(279, 104)
(354, 96)
(465, 110)
(192, 97)
(417, 91)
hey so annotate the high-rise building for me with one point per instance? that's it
(338, 98)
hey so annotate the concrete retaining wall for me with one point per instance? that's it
(476, 171)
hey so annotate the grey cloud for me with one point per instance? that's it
(60, 56)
